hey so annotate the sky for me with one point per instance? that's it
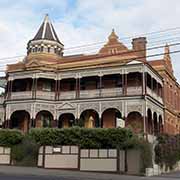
(82, 22)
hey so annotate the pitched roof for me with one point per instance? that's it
(46, 31)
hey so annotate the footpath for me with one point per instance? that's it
(75, 175)
(65, 174)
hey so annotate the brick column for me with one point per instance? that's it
(36, 81)
(9, 89)
(144, 124)
(56, 89)
(144, 83)
(34, 88)
(125, 84)
(100, 86)
(78, 87)
(122, 84)
(9, 124)
(54, 123)
(157, 88)
(152, 125)
(151, 83)
(33, 122)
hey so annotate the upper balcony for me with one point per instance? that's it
(154, 88)
(113, 85)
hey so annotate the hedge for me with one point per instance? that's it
(85, 138)
(25, 153)
(95, 138)
(10, 137)
(25, 146)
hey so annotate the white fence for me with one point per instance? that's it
(72, 157)
(64, 157)
(5, 156)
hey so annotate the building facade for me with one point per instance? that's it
(115, 87)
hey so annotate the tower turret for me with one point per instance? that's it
(46, 40)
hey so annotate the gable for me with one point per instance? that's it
(66, 106)
(33, 63)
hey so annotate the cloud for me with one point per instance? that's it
(85, 21)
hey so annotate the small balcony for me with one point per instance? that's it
(154, 95)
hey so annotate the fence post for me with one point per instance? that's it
(44, 156)
(79, 157)
(118, 160)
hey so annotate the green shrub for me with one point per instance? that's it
(146, 155)
(84, 137)
(25, 147)
(10, 137)
(25, 153)
(167, 150)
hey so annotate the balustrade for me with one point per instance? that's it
(154, 95)
(90, 93)
(111, 92)
(136, 90)
(21, 95)
(45, 95)
(67, 94)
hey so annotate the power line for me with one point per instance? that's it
(141, 57)
(147, 49)
(159, 42)
(137, 58)
(150, 33)
(150, 42)
(166, 40)
(124, 38)
(11, 57)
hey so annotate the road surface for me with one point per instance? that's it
(25, 173)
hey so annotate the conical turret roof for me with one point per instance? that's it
(45, 40)
(46, 31)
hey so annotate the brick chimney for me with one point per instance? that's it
(139, 46)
